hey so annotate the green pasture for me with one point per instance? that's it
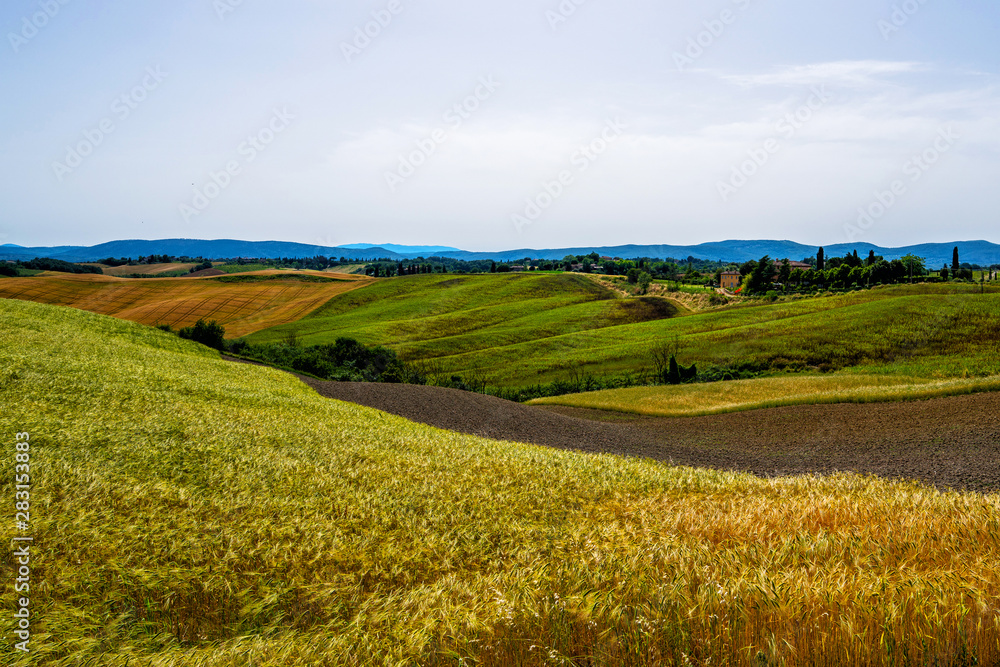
(525, 329)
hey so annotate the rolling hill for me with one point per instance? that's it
(427, 317)
(191, 511)
(243, 303)
(517, 330)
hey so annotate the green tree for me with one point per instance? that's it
(820, 259)
(784, 272)
(955, 265)
(674, 374)
(761, 277)
(209, 333)
(914, 265)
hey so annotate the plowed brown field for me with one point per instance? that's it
(242, 307)
(946, 442)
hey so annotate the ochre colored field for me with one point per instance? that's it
(242, 307)
(148, 269)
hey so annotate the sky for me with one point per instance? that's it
(499, 125)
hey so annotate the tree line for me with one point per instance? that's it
(850, 271)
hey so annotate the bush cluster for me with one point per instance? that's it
(211, 334)
(49, 264)
(345, 360)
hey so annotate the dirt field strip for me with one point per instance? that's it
(947, 442)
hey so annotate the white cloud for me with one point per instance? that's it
(843, 73)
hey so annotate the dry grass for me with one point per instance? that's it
(147, 269)
(242, 308)
(711, 398)
(206, 513)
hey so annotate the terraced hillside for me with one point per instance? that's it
(243, 303)
(217, 514)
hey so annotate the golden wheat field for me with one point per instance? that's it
(257, 301)
(208, 513)
(692, 400)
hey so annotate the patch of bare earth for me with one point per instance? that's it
(947, 442)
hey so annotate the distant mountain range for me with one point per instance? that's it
(935, 254)
(406, 249)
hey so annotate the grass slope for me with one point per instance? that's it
(190, 511)
(718, 397)
(430, 316)
(244, 305)
(525, 329)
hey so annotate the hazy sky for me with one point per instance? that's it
(491, 125)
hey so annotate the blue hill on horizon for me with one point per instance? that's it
(404, 249)
(936, 255)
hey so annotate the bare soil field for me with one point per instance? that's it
(947, 442)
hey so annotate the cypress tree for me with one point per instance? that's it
(674, 374)
(955, 266)
(820, 260)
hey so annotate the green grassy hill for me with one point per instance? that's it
(525, 329)
(191, 511)
(436, 316)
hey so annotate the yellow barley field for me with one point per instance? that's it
(694, 400)
(212, 514)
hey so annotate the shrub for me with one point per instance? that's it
(211, 334)
(346, 360)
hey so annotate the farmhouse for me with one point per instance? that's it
(796, 265)
(730, 280)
